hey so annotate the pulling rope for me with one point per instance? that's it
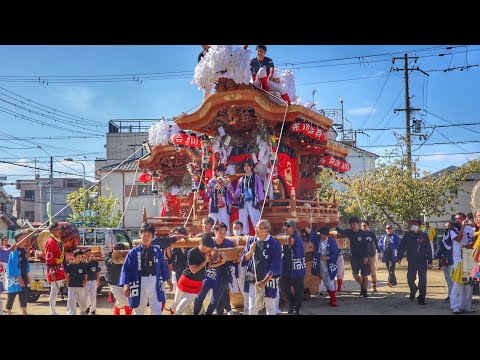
(193, 202)
(75, 199)
(128, 200)
(276, 156)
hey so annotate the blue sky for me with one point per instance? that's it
(33, 72)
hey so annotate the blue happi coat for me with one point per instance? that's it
(333, 252)
(394, 245)
(13, 272)
(272, 252)
(299, 266)
(212, 278)
(131, 274)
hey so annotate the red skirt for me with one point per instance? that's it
(189, 286)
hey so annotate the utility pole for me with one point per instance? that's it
(407, 113)
(343, 125)
(51, 185)
(408, 109)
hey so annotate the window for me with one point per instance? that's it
(89, 238)
(127, 190)
(100, 238)
(30, 195)
(122, 237)
(144, 190)
(30, 215)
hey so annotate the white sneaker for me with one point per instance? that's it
(230, 312)
(456, 311)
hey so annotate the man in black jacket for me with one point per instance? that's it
(359, 247)
(419, 253)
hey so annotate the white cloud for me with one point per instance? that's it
(79, 97)
(445, 160)
(361, 111)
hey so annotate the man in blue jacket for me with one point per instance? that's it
(294, 268)
(143, 274)
(263, 257)
(388, 246)
(325, 256)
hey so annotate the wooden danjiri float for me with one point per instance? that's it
(235, 123)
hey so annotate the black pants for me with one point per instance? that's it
(294, 297)
(22, 296)
(421, 268)
(224, 303)
(392, 279)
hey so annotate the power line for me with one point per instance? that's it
(32, 167)
(459, 125)
(376, 102)
(48, 107)
(430, 144)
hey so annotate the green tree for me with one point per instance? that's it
(331, 188)
(101, 212)
(391, 193)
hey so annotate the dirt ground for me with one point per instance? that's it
(391, 301)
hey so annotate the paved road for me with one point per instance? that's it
(392, 301)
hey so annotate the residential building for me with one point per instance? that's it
(7, 219)
(124, 139)
(460, 203)
(35, 194)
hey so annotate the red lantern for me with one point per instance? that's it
(337, 164)
(144, 177)
(320, 135)
(295, 127)
(325, 161)
(193, 141)
(344, 167)
(179, 138)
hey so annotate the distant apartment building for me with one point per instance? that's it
(7, 216)
(35, 194)
(124, 138)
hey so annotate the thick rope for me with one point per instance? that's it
(75, 199)
(193, 202)
(275, 160)
(128, 200)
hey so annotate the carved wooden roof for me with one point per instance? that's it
(245, 108)
(167, 160)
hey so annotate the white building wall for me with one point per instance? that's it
(116, 181)
(463, 206)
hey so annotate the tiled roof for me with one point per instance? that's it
(129, 165)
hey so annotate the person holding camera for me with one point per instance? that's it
(263, 257)
(461, 295)
(221, 195)
(444, 254)
(250, 194)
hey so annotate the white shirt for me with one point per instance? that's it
(457, 247)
